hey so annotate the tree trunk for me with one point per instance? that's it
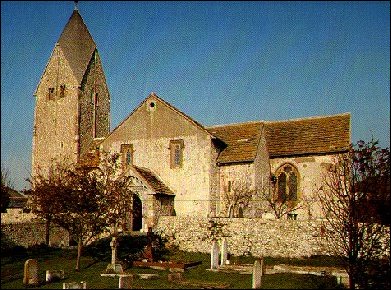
(79, 249)
(47, 231)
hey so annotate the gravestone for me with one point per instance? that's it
(224, 251)
(257, 274)
(74, 285)
(125, 281)
(30, 276)
(214, 255)
(54, 275)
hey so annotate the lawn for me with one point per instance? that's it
(97, 257)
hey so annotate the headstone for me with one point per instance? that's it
(54, 275)
(74, 285)
(257, 274)
(224, 251)
(125, 281)
(30, 276)
(214, 255)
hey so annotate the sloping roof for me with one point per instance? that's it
(157, 185)
(315, 135)
(77, 44)
(241, 139)
(16, 199)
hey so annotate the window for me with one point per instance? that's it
(176, 153)
(62, 91)
(287, 183)
(51, 94)
(127, 154)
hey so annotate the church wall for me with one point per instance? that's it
(233, 177)
(149, 130)
(55, 125)
(311, 170)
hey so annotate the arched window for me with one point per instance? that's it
(287, 183)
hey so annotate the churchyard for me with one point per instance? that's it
(53, 268)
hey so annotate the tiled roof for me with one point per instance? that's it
(313, 135)
(316, 135)
(241, 140)
(157, 185)
(77, 45)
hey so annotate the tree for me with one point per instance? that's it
(5, 186)
(88, 201)
(281, 204)
(70, 198)
(357, 182)
(237, 196)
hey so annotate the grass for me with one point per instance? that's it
(97, 257)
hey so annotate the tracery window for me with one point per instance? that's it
(287, 183)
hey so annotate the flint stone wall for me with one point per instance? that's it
(255, 236)
(33, 233)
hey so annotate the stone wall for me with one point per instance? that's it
(28, 234)
(260, 237)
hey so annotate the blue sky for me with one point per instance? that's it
(219, 62)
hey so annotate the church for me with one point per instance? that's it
(179, 166)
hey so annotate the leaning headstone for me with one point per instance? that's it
(224, 251)
(257, 275)
(125, 281)
(54, 275)
(30, 276)
(214, 256)
(74, 285)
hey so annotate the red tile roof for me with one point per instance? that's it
(157, 185)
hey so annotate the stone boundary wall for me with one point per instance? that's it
(28, 234)
(260, 237)
(16, 216)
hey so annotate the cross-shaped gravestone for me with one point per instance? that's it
(30, 276)
(214, 255)
(113, 245)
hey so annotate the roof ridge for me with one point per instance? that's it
(235, 124)
(308, 118)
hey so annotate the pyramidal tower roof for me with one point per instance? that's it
(77, 44)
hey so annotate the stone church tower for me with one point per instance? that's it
(72, 107)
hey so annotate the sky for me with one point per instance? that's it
(218, 62)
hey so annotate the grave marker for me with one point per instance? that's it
(54, 275)
(224, 251)
(30, 276)
(214, 255)
(257, 274)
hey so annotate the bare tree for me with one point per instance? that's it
(354, 227)
(282, 205)
(237, 196)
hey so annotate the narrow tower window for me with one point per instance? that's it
(51, 94)
(127, 154)
(62, 91)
